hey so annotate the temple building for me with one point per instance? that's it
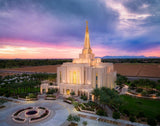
(85, 73)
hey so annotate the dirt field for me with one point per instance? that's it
(139, 70)
(127, 69)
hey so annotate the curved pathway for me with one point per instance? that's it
(59, 113)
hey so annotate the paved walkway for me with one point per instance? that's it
(124, 90)
(59, 113)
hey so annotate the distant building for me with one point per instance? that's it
(85, 73)
(46, 85)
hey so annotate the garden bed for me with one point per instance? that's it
(2, 106)
(19, 111)
(19, 120)
(69, 100)
(50, 97)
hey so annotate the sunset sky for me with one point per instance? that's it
(56, 28)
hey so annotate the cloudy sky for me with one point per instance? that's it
(56, 28)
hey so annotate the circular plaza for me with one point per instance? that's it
(31, 114)
(41, 112)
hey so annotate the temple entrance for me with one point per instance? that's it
(43, 91)
(68, 92)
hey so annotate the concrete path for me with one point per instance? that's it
(59, 113)
(124, 90)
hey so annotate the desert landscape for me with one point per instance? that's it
(126, 69)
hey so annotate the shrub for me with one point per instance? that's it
(125, 111)
(7, 94)
(51, 91)
(84, 97)
(101, 112)
(76, 118)
(70, 99)
(151, 122)
(31, 95)
(116, 115)
(72, 93)
(139, 90)
(85, 123)
(140, 115)
(75, 104)
(144, 93)
(132, 118)
(70, 118)
(73, 118)
(151, 92)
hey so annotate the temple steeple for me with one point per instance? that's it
(87, 48)
(86, 40)
(87, 56)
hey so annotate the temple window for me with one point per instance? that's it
(96, 80)
(84, 76)
(74, 77)
(60, 77)
(70, 77)
(78, 77)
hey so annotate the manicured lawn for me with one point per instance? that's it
(151, 108)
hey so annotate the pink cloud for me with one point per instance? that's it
(11, 49)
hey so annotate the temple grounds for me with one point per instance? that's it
(59, 112)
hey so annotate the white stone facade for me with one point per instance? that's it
(85, 73)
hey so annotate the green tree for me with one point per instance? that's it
(96, 93)
(121, 80)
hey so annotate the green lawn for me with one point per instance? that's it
(151, 108)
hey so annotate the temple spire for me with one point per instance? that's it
(86, 40)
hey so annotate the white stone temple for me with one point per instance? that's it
(85, 73)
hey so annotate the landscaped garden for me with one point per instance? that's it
(145, 87)
(138, 109)
(50, 95)
(141, 87)
(127, 107)
(23, 85)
